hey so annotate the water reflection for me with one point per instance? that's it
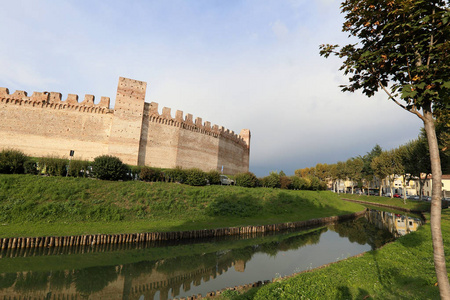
(190, 271)
(397, 224)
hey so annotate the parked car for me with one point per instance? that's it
(224, 180)
(397, 195)
(414, 197)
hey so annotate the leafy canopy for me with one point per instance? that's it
(404, 49)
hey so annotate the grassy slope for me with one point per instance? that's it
(400, 270)
(398, 202)
(40, 206)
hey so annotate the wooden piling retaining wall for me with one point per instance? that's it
(58, 242)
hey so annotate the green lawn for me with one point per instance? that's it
(59, 206)
(398, 202)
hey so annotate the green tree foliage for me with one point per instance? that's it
(12, 161)
(300, 183)
(272, 181)
(322, 171)
(195, 177)
(30, 167)
(213, 177)
(443, 135)
(403, 48)
(107, 167)
(151, 174)
(79, 168)
(316, 184)
(367, 171)
(53, 166)
(175, 175)
(354, 167)
(246, 179)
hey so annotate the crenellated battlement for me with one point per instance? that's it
(151, 111)
(135, 131)
(54, 100)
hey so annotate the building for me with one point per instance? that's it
(134, 131)
(428, 184)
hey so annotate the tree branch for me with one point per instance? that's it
(411, 110)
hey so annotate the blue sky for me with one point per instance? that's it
(238, 64)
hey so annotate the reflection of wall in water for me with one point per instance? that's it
(397, 224)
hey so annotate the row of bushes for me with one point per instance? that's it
(108, 167)
(103, 167)
(280, 180)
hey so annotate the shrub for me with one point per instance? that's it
(79, 168)
(151, 174)
(53, 166)
(247, 179)
(272, 181)
(12, 161)
(175, 175)
(107, 167)
(135, 172)
(317, 184)
(195, 177)
(30, 167)
(213, 177)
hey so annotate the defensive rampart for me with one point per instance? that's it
(44, 125)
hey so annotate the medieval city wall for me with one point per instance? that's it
(45, 125)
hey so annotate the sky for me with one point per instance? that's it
(251, 64)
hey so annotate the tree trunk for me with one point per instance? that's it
(404, 188)
(436, 233)
(391, 186)
(421, 182)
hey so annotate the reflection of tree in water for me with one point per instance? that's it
(60, 280)
(31, 281)
(7, 280)
(186, 263)
(136, 269)
(94, 279)
(362, 232)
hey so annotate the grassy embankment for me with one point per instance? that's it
(397, 202)
(403, 269)
(59, 206)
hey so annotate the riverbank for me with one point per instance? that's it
(403, 269)
(36, 206)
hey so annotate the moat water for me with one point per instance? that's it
(180, 269)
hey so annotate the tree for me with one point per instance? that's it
(404, 49)
(340, 173)
(322, 171)
(416, 160)
(401, 156)
(367, 171)
(380, 168)
(354, 167)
